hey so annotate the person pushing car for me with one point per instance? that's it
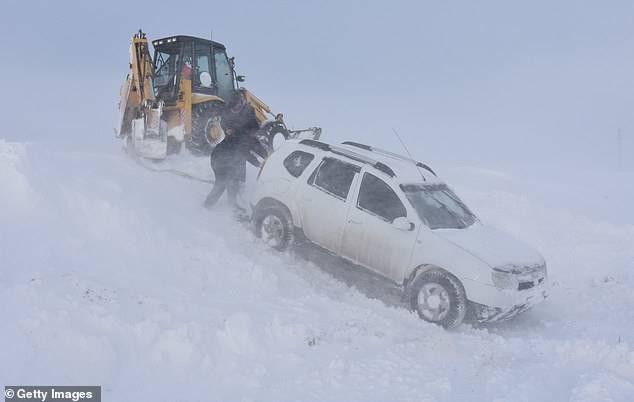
(229, 157)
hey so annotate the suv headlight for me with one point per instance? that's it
(504, 280)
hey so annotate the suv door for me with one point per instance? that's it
(323, 202)
(370, 238)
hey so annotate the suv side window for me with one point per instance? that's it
(334, 177)
(297, 162)
(377, 198)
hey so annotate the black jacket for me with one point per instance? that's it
(242, 120)
(228, 159)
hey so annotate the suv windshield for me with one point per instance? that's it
(438, 206)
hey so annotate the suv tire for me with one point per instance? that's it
(438, 297)
(274, 225)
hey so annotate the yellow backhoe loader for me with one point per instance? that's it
(177, 96)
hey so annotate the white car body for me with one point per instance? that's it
(400, 249)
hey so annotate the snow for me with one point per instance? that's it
(17, 196)
(494, 247)
(114, 275)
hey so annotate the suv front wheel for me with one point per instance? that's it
(274, 225)
(439, 297)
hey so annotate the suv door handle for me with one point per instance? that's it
(354, 222)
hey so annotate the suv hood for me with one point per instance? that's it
(494, 247)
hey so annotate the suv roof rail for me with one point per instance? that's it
(385, 169)
(358, 145)
(390, 154)
(316, 144)
(427, 168)
(349, 154)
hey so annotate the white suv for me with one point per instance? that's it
(394, 216)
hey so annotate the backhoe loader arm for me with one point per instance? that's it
(262, 110)
(142, 67)
(138, 89)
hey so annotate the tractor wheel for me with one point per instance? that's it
(203, 116)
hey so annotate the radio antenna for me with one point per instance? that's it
(402, 143)
(411, 158)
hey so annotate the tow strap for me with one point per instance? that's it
(151, 168)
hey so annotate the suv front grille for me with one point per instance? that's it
(529, 284)
(525, 285)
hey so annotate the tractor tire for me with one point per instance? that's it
(202, 117)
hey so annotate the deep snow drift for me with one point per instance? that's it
(114, 275)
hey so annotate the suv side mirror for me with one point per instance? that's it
(402, 223)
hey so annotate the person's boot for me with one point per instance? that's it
(212, 198)
(240, 214)
(215, 193)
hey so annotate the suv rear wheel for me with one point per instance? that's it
(438, 297)
(274, 225)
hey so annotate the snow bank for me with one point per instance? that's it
(116, 276)
(17, 196)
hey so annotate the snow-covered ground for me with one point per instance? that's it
(114, 275)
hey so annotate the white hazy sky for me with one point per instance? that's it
(495, 82)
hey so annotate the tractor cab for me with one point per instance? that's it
(202, 61)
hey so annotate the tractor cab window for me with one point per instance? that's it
(202, 71)
(166, 63)
(224, 74)
(188, 63)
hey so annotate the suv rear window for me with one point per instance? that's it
(334, 177)
(378, 198)
(297, 161)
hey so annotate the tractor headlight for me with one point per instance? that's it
(504, 280)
